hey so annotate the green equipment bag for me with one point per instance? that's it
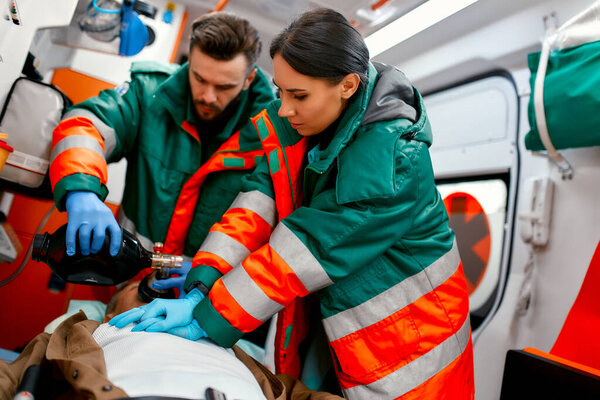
(569, 114)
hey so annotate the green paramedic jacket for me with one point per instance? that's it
(370, 236)
(149, 121)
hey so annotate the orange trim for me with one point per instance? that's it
(455, 382)
(245, 227)
(204, 258)
(273, 276)
(563, 361)
(179, 36)
(379, 4)
(188, 198)
(295, 158)
(76, 126)
(285, 182)
(191, 129)
(395, 341)
(230, 309)
(221, 5)
(78, 160)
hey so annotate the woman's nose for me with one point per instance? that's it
(285, 111)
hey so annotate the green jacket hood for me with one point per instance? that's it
(394, 98)
(387, 97)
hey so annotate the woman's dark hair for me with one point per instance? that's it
(322, 44)
(223, 36)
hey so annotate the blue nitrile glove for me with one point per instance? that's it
(89, 216)
(177, 281)
(191, 331)
(162, 314)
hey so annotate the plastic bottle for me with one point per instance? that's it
(100, 268)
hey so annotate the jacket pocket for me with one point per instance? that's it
(377, 349)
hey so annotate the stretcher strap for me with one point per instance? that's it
(540, 114)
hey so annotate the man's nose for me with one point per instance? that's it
(209, 96)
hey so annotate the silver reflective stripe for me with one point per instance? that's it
(224, 246)
(417, 372)
(249, 295)
(394, 299)
(70, 142)
(108, 133)
(258, 202)
(128, 225)
(297, 256)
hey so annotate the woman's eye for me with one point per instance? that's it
(299, 96)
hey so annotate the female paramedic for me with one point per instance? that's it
(344, 206)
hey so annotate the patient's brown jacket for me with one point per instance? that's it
(73, 368)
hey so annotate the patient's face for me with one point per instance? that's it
(127, 300)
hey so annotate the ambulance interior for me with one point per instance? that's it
(527, 221)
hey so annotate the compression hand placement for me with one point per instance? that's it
(161, 315)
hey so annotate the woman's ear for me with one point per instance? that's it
(349, 85)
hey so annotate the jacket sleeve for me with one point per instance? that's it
(312, 248)
(244, 227)
(92, 133)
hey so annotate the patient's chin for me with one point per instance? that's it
(107, 318)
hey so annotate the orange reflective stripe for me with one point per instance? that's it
(455, 382)
(226, 305)
(273, 276)
(76, 126)
(204, 258)
(244, 226)
(186, 203)
(78, 160)
(396, 340)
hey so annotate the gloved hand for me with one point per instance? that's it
(177, 313)
(191, 331)
(175, 282)
(89, 215)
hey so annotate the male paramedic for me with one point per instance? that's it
(85, 359)
(182, 131)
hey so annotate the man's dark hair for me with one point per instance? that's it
(322, 44)
(223, 36)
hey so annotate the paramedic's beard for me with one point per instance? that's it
(221, 114)
(207, 112)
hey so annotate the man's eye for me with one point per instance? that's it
(299, 96)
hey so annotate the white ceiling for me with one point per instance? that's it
(271, 16)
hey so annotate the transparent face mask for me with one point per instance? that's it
(102, 20)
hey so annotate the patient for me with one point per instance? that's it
(100, 361)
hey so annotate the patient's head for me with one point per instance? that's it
(123, 300)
